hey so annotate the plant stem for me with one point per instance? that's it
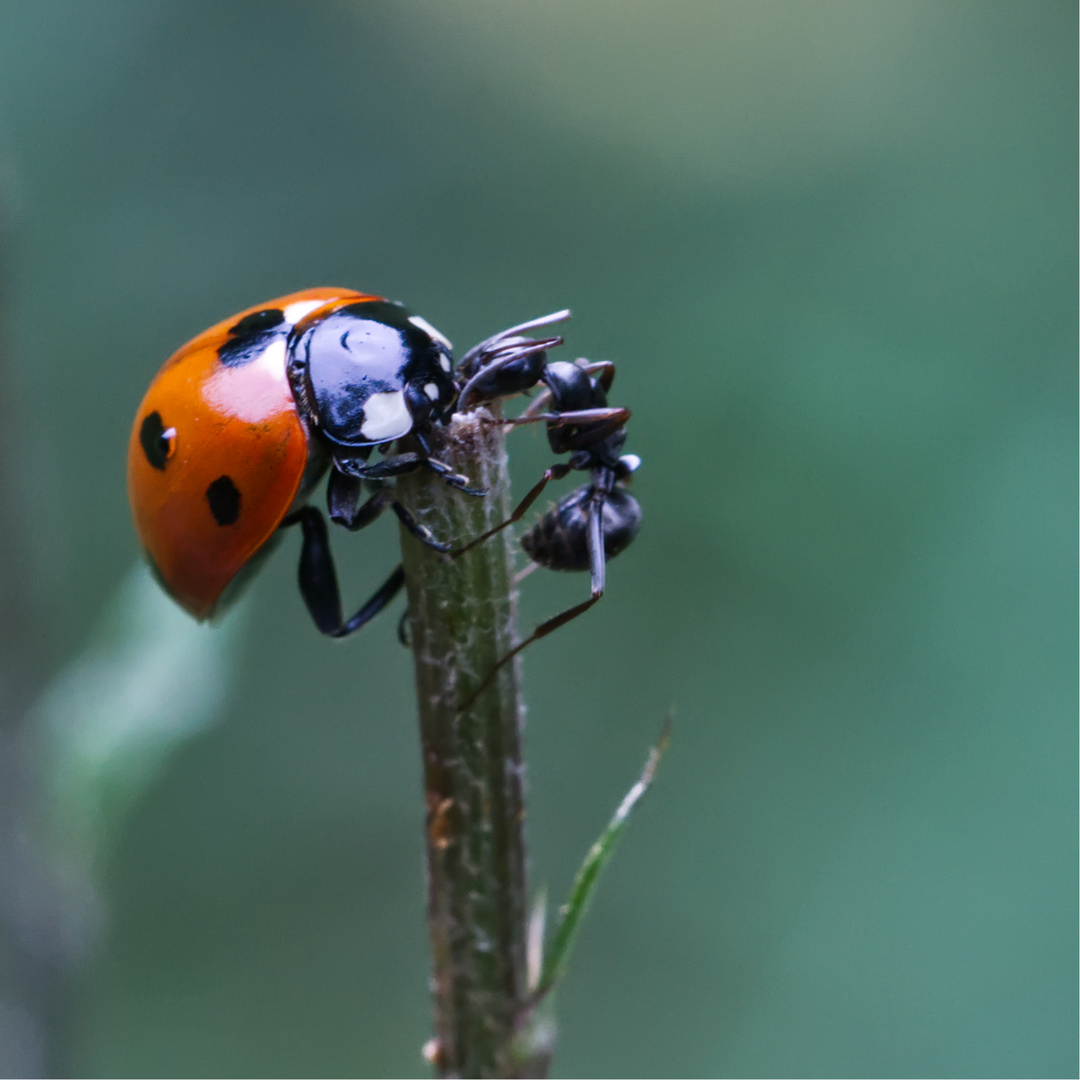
(462, 622)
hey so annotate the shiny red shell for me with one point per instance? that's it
(218, 453)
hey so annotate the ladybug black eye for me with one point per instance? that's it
(158, 442)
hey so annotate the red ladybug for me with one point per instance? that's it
(242, 422)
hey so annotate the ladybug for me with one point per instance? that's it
(243, 421)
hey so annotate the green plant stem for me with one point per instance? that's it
(462, 622)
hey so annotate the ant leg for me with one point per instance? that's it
(342, 495)
(543, 399)
(606, 369)
(538, 404)
(569, 416)
(319, 584)
(595, 539)
(555, 472)
(525, 572)
(592, 426)
(597, 562)
(609, 419)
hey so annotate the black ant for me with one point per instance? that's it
(597, 520)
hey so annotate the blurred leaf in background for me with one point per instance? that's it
(150, 679)
(103, 729)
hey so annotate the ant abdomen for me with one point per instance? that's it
(559, 540)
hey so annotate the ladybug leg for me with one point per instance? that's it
(389, 589)
(555, 472)
(342, 498)
(421, 532)
(398, 464)
(319, 584)
(440, 468)
(455, 480)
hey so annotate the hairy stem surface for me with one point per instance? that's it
(462, 622)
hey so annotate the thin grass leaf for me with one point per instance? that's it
(534, 939)
(584, 886)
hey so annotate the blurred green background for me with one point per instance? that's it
(832, 248)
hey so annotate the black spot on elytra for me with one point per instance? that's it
(250, 336)
(258, 321)
(224, 500)
(157, 446)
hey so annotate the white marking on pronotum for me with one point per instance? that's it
(444, 362)
(269, 391)
(272, 359)
(431, 390)
(423, 324)
(295, 312)
(386, 416)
